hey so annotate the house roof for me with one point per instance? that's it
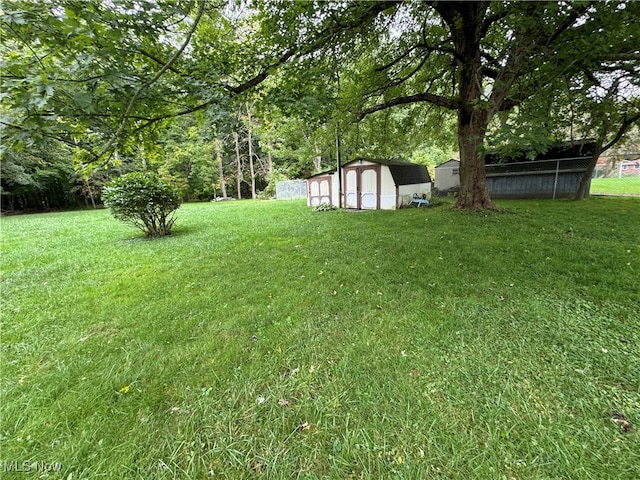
(381, 161)
(409, 174)
(403, 172)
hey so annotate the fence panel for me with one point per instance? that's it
(290, 189)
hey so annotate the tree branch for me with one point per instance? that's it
(158, 61)
(373, 9)
(154, 79)
(626, 124)
(426, 97)
(396, 60)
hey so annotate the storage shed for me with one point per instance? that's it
(447, 176)
(370, 184)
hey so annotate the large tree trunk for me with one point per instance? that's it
(473, 194)
(585, 181)
(465, 20)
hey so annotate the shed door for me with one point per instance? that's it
(362, 187)
(319, 190)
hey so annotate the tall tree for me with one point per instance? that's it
(97, 74)
(473, 58)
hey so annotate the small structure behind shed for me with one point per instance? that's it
(554, 174)
(322, 188)
(447, 176)
(370, 184)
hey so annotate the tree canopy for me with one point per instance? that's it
(107, 77)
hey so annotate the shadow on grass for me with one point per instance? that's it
(177, 232)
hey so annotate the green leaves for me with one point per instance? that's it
(144, 201)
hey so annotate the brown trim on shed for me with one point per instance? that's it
(319, 180)
(358, 169)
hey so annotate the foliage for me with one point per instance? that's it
(189, 159)
(324, 207)
(275, 340)
(107, 77)
(475, 59)
(144, 201)
(591, 100)
(73, 70)
(38, 179)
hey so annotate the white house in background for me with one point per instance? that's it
(447, 176)
(371, 184)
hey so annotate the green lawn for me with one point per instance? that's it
(265, 340)
(616, 186)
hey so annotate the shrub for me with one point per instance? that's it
(324, 207)
(144, 201)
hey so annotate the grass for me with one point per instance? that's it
(616, 186)
(265, 340)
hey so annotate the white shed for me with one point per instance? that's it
(371, 184)
(447, 176)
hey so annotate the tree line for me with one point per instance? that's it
(223, 97)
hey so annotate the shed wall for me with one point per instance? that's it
(387, 190)
(322, 189)
(447, 176)
(366, 185)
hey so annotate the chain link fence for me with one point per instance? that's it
(617, 175)
(291, 189)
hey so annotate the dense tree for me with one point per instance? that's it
(104, 76)
(39, 179)
(189, 159)
(474, 58)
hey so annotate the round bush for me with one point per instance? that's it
(144, 201)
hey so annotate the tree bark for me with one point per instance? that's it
(585, 181)
(239, 164)
(223, 183)
(474, 194)
(251, 166)
(465, 21)
(317, 161)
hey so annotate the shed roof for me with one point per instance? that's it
(321, 174)
(564, 150)
(403, 172)
(453, 161)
